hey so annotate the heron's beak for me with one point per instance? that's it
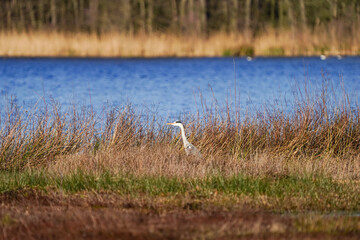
(170, 124)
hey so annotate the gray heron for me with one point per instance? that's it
(189, 148)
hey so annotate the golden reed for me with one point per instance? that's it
(270, 43)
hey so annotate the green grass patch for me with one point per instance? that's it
(322, 49)
(288, 193)
(275, 51)
(243, 50)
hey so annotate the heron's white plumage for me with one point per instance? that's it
(189, 148)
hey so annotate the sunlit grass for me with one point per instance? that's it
(290, 193)
(320, 135)
(270, 43)
(300, 168)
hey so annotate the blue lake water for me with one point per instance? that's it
(169, 86)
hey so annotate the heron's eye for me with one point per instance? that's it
(177, 121)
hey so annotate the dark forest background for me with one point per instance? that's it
(200, 17)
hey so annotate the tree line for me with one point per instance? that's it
(176, 16)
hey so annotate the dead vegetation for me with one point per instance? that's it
(270, 43)
(33, 215)
(320, 135)
(71, 173)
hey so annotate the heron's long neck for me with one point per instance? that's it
(183, 134)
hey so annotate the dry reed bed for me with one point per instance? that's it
(163, 162)
(270, 43)
(318, 136)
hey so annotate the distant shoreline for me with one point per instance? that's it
(271, 44)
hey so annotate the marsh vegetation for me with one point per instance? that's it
(303, 160)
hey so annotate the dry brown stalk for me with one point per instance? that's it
(317, 136)
(271, 42)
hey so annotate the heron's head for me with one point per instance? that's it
(176, 123)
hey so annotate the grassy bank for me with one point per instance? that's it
(306, 158)
(76, 174)
(270, 43)
(39, 204)
(319, 136)
(289, 193)
(108, 215)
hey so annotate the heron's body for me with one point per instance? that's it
(189, 148)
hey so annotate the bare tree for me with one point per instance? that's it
(8, 15)
(247, 19)
(75, 8)
(2, 13)
(202, 13)
(234, 15)
(290, 14)
(81, 13)
(224, 20)
(174, 16)
(93, 15)
(40, 20)
(62, 15)
(183, 15)
(281, 13)
(191, 16)
(21, 22)
(187, 16)
(272, 14)
(53, 13)
(125, 24)
(333, 7)
(303, 14)
(142, 16)
(150, 16)
(30, 10)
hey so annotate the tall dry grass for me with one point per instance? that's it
(270, 43)
(320, 135)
